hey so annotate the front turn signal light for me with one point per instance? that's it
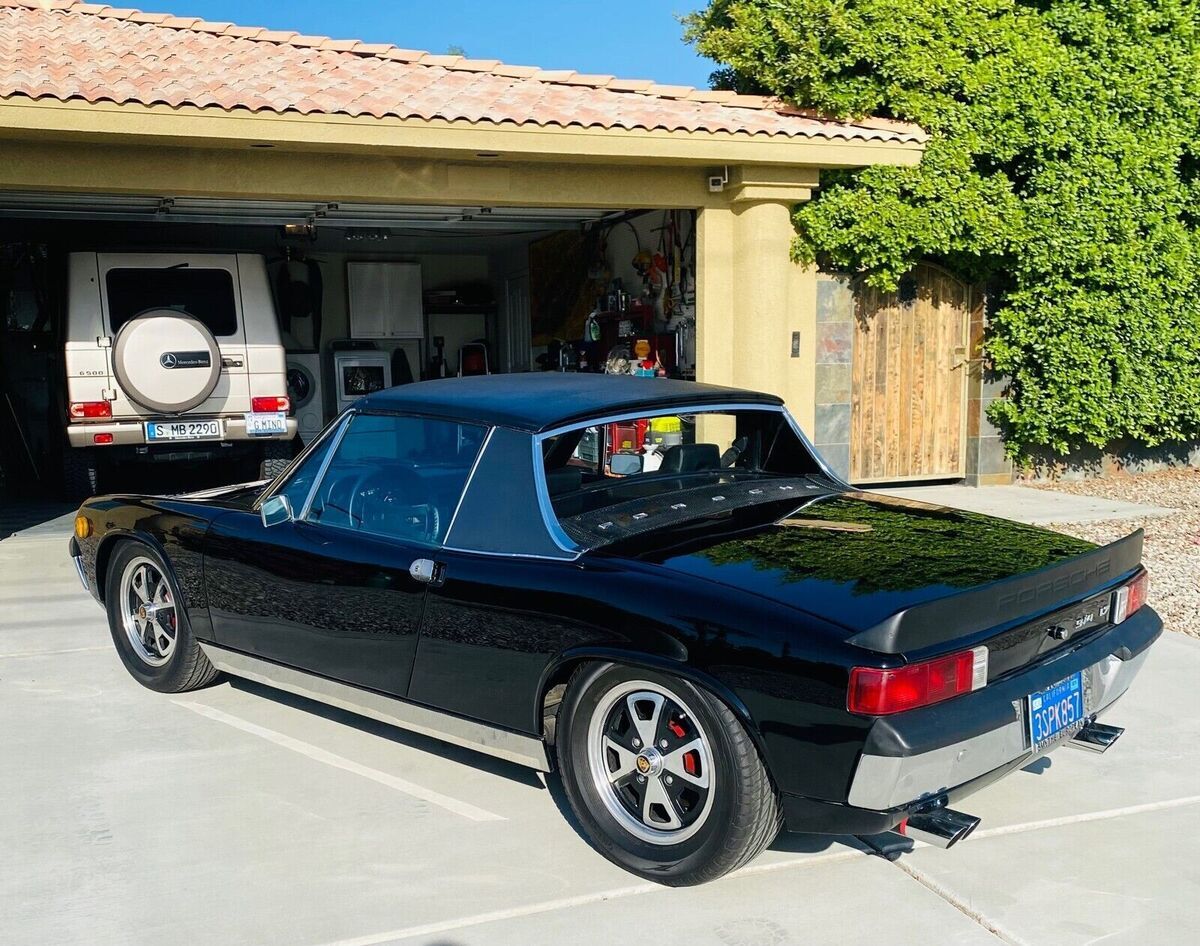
(83, 527)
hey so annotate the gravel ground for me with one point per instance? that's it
(1172, 553)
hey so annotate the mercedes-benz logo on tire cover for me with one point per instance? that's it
(168, 359)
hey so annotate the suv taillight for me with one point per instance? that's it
(81, 410)
(876, 692)
(1130, 597)
(263, 405)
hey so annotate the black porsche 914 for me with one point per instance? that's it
(654, 587)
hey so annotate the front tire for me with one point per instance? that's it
(149, 623)
(662, 776)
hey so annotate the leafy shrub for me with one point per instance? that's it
(1063, 170)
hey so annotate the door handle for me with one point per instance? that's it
(427, 571)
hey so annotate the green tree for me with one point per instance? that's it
(1062, 170)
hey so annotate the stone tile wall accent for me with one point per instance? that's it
(834, 347)
(986, 462)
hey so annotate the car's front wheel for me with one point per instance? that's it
(662, 775)
(149, 623)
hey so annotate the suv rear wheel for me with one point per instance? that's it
(663, 778)
(81, 473)
(276, 455)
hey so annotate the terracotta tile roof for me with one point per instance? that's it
(64, 50)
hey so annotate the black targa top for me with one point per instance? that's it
(545, 400)
(502, 511)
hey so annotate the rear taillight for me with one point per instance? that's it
(263, 405)
(81, 410)
(1130, 597)
(875, 692)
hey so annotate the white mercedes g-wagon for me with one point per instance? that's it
(172, 357)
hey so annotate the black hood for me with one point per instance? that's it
(853, 559)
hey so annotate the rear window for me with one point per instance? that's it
(204, 294)
(611, 481)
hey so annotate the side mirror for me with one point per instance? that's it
(275, 510)
(625, 464)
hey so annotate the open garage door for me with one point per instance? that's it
(360, 295)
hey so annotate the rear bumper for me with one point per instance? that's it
(883, 782)
(953, 749)
(133, 432)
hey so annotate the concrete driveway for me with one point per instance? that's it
(240, 815)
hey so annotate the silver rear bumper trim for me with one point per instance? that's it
(884, 782)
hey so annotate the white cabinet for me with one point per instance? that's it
(385, 300)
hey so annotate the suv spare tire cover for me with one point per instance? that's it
(166, 360)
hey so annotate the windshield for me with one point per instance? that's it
(609, 481)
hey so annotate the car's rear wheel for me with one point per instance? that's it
(149, 623)
(662, 776)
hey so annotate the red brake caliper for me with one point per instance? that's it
(691, 760)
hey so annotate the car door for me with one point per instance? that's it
(338, 589)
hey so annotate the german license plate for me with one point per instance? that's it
(157, 430)
(1056, 711)
(264, 425)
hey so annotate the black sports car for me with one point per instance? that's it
(656, 588)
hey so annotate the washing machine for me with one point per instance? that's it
(304, 388)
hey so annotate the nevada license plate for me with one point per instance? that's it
(183, 430)
(263, 425)
(1056, 711)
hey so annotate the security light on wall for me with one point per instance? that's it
(717, 181)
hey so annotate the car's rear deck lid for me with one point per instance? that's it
(1002, 602)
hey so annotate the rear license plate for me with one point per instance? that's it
(1056, 711)
(183, 430)
(263, 425)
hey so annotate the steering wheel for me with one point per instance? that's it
(384, 502)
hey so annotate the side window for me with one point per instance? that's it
(297, 488)
(399, 477)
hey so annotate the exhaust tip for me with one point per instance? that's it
(1096, 737)
(940, 827)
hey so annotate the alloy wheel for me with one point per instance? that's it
(148, 611)
(651, 762)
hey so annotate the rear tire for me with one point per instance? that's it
(277, 455)
(668, 819)
(149, 623)
(81, 473)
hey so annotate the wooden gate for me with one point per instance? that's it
(908, 407)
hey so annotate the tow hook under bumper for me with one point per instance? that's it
(1096, 737)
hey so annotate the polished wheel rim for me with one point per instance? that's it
(148, 611)
(651, 762)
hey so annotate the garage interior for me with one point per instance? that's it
(366, 295)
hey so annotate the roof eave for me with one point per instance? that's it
(221, 128)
